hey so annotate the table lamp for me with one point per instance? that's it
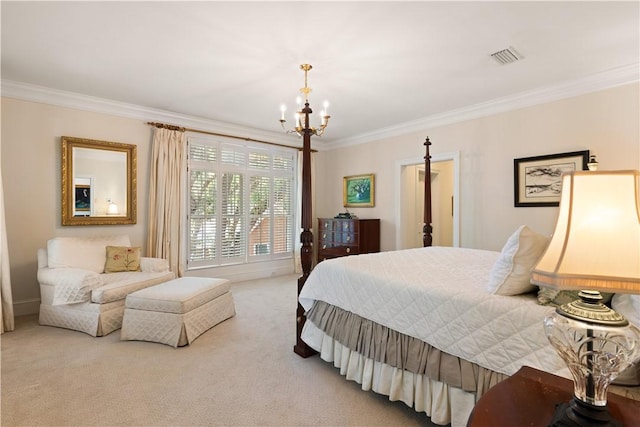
(595, 247)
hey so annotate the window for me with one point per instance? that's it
(261, 248)
(240, 203)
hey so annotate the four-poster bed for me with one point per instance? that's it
(433, 327)
(306, 236)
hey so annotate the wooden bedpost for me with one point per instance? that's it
(427, 229)
(306, 236)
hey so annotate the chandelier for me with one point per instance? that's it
(302, 125)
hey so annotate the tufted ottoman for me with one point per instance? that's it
(178, 311)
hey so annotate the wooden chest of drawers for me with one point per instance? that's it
(341, 237)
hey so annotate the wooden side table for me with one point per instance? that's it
(529, 398)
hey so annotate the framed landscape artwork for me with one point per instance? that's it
(358, 191)
(538, 180)
(83, 198)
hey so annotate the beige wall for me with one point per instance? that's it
(31, 175)
(606, 123)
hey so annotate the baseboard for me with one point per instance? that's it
(246, 272)
(25, 307)
(246, 276)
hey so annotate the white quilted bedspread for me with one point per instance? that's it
(438, 295)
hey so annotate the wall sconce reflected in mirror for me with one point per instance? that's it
(113, 208)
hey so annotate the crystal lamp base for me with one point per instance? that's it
(597, 344)
(579, 414)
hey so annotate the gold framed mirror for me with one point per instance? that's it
(99, 182)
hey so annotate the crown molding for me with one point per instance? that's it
(615, 77)
(605, 80)
(41, 94)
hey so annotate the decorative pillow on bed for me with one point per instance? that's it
(122, 258)
(629, 307)
(511, 273)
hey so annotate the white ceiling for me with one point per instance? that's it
(380, 64)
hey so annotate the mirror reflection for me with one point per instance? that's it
(98, 182)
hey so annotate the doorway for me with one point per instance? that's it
(444, 201)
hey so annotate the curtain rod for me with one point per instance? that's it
(183, 129)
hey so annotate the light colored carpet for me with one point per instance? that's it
(243, 372)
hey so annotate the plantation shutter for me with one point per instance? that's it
(241, 203)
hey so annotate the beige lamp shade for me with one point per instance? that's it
(596, 242)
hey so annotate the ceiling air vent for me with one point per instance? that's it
(506, 56)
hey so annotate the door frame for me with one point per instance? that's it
(453, 156)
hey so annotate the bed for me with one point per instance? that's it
(415, 326)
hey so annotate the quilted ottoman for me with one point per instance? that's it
(178, 311)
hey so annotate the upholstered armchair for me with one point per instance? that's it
(84, 281)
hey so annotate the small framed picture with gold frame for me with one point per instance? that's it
(358, 191)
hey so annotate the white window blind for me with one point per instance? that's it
(202, 215)
(283, 219)
(241, 203)
(232, 223)
(260, 212)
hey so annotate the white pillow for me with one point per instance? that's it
(629, 307)
(88, 253)
(511, 273)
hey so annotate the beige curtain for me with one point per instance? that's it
(6, 308)
(167, 217)
(298, 245)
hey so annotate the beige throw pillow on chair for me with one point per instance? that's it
(122, 258)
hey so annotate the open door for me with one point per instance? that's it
(442, 204)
